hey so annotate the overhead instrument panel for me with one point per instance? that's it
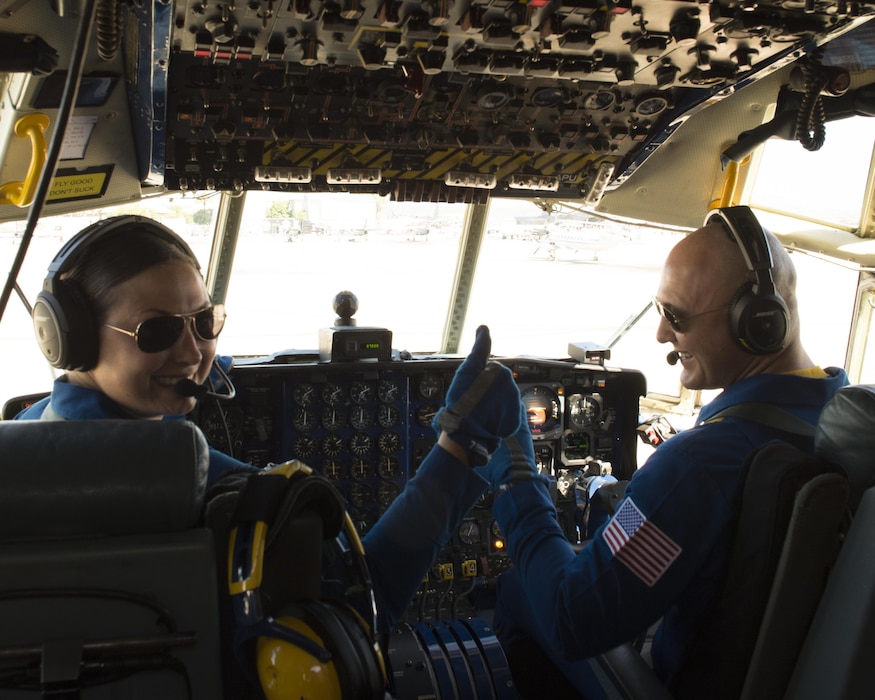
(429, 100)
(367, 426)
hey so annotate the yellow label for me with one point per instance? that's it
(77, 186)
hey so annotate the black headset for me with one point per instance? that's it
(758, 316)
(63, 318)
(280, 634)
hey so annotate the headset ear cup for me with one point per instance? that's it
(65, 328)
(759, 323)
(360, 673)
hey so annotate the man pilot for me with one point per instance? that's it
(661, 555)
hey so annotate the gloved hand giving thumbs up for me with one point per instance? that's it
(483, 403)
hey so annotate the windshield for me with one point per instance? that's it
(543, 280)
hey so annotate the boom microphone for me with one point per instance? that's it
(672, 358)
(186, 387)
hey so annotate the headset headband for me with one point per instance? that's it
(73, 249)
(742, 226)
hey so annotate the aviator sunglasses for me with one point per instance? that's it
(162, 332)
(679, 323)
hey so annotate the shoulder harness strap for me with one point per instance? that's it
(768, 414)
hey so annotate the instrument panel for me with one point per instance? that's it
(368, 425)
(366, 422)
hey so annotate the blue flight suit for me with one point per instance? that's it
(660, 556)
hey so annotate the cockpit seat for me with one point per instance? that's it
(793, 518)
(836, 659)
(846, 435)
(17, 404)
(107, 581)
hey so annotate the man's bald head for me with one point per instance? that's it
(711, 254)
(702, 277)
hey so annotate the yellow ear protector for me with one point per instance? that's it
(758, 315)
(291, 643)
(63, 318)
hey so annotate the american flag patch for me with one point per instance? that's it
(639, 544)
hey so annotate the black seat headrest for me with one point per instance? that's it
(845, 435)
(63, 479)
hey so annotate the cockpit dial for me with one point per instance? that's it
(360, 443)
(430, 386)
(388, 391)
(542, 409)
(389, 467)
(333, 418)
(334, 470)
(304, 394)
(361, 392)
(361, 418)
(332, 394)
(584, 410)
(388, 416)
(304, 420)
(469, 532)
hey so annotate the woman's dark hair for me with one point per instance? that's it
(116, 258)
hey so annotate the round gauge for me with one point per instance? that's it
(388, 416)
(333, 470)
(304, 447)
(361, 418)
(217, 426)
(361, 469)
(651, 105)
(304, 420)
(576, 446)
(332, 394)
(425, 415)
(583, 410)
(361, 392)
(493, 99)
(386, 493)
(388, 467)
(542, 409)
(304, 394)
(332, 446)
(333, 419)
(548, 97)
(388, 391)
(360, 444)
(599, 100)
(362, 520)
(469, 532)
(430, 386)
(361, 494)
(389, 442)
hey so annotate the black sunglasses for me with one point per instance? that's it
(162, 332)
(679, 323)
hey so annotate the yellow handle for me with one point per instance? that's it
(21, 194)
(730, 181)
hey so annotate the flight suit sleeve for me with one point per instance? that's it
(407, 538)
(668, 530)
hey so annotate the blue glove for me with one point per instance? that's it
(514, 460)
(482, 403)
